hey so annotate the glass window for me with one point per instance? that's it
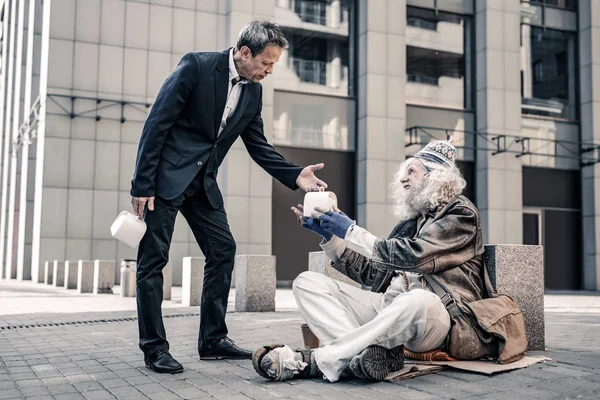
(305, 120)
(438, 58)
(548, 77)
(568, 4)
(320, 57)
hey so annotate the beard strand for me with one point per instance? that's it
(412, 202)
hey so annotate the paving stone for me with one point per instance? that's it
(114, 383)
(30, 383)
(98, 395)
(34, 391)
(127, 393)
(9, 393)
(61, 389)
(69, 396)
(89, 385)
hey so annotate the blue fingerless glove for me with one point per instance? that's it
(314, 226)
(336, 223)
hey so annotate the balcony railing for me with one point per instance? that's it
(310, 138)
(313, 12)
(317, 12)
(421, 23)
(567, 4)
(430, 80)
(311, 71)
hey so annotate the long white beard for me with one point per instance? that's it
(412, 202)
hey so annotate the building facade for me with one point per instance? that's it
(363, 85)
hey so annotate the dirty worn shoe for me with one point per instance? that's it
(375, 362)
(281, 363)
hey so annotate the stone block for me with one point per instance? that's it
(85, 276)
(319, 262)
(167, 280)
(58, 273)
(518, 271)
(71, 272)
(192, 279)
(48, 272)
(104, 276)
(255, 283)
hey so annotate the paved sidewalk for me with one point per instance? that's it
(94, 355)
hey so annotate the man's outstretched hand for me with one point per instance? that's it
(311, 224)
(308, 181)
(138, 205)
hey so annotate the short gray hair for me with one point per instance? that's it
(258, 34)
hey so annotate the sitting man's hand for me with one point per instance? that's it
(310, 223)
(335, 222)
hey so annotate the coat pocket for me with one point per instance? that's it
(171, 155)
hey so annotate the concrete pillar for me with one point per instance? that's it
(192, 279)
(11, 20)
(48, 272)
(498, 111)
(167, 280)
(104, 276)
(71, 270)
(333, 14)
(85, 276)
(255, 283)
(244, 185)
(518, 271)
(589, 75)
(11, 238)
(527, 12)
(319, 262)
(24, 269)
(334, 67)
(59, 274)
(381, 109)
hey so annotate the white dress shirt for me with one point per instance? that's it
(233, 93)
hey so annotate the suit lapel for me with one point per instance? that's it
(221, 84)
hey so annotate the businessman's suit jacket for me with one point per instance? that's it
(180, 134)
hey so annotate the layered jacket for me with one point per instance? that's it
(447, 244)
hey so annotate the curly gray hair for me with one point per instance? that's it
(258, 34)
(441, 186)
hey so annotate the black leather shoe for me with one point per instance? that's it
(224, 349)
(163, 363)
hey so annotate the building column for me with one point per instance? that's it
(333, 14)
(589, 72)
(17, 120)
(23, 269)
(381, 109)
(334, 63)
(6, 156)
(40, 145)
(527, 12)
(498, 111)
(246, 187)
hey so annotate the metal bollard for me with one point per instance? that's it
(128, 270)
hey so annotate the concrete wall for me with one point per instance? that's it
(121, 50)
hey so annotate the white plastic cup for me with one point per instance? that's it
(322, 200)
(128, 229)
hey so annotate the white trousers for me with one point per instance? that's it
(347, 320)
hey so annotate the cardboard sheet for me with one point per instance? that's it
(487, 367)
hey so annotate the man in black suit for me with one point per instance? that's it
(202, 107)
